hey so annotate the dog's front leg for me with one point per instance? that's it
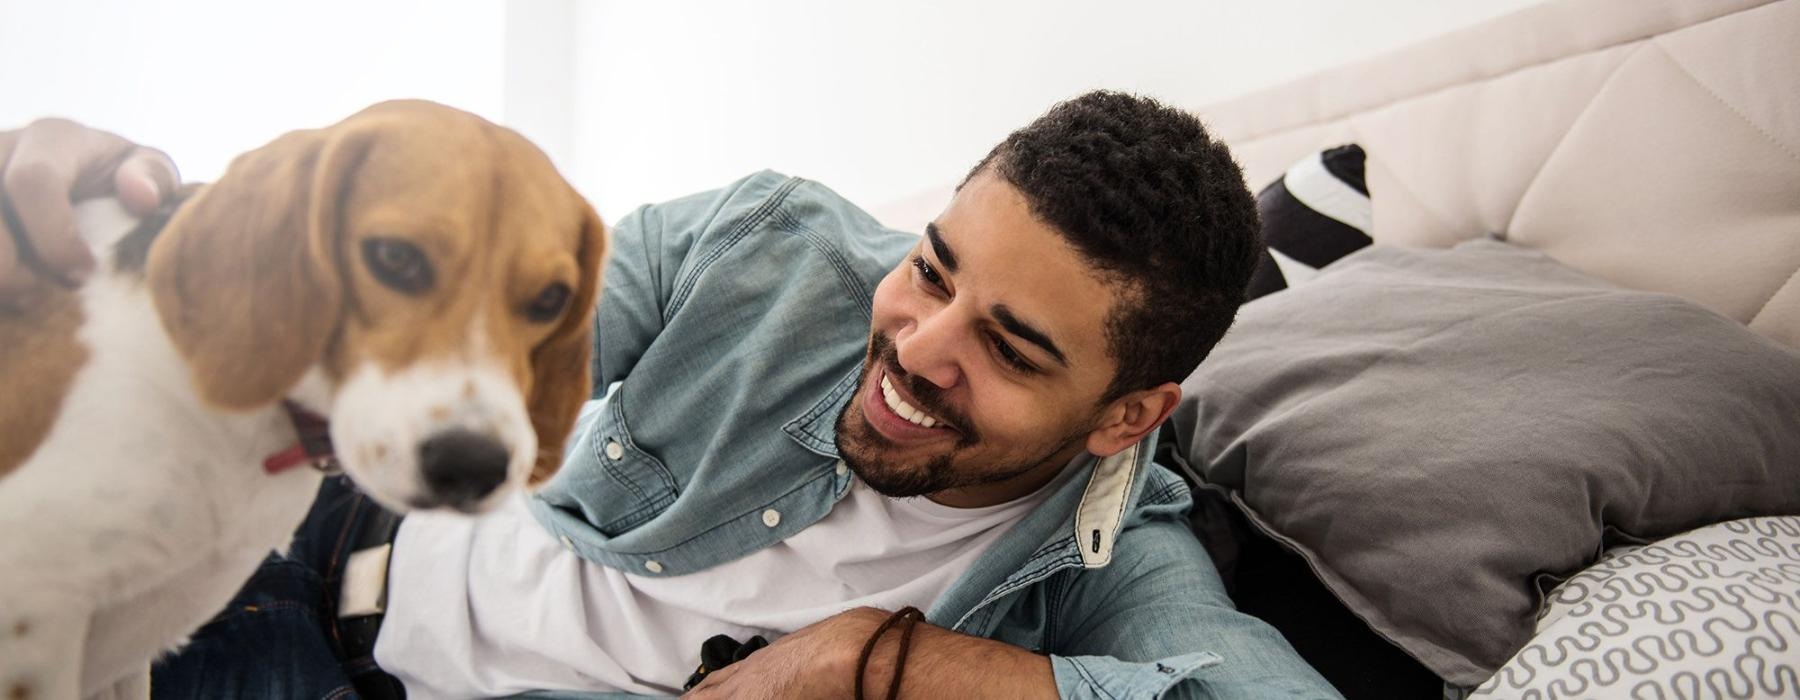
(41, 641)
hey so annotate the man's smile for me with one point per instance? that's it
(889, 412)
(904, 409)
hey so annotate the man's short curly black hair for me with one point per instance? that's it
(1150, 199)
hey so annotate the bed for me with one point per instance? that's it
(1628, 153)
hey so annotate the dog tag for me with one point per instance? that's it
(365, 583)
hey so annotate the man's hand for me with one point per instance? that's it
(816, 661)
(43, 169)
(819, 661)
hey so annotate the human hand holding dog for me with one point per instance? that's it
(44, 168)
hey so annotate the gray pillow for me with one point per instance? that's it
(1445, 434)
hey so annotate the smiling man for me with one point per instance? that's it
(803, 421)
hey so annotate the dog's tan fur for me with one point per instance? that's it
(42, 354)
(282, 221)
(140, 407)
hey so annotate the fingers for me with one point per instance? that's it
(54, 161)
(714, 685)
(14, 279)
(38, 193)
(146, 176)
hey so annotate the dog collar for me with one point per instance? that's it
(313, 449)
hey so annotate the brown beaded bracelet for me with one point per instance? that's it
(906, 618)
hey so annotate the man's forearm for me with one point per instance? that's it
(941, 663)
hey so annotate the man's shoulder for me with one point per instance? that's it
(769, 215)
(770, 197)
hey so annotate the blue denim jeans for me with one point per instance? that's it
(275, 639)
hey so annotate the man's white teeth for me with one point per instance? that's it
(904, 409)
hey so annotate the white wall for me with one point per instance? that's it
(881, 100)
(207, 79)
(640, 100)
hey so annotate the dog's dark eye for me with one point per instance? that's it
(549, 303)
(398, 264)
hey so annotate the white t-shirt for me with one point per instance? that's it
(494, 605)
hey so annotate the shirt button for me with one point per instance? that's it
(653, 566)
(841, 469)
(614, 450)
(771, 517)
(567, 543)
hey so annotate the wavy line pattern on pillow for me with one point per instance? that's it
(1711, 613)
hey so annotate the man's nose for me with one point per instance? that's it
(929, 351)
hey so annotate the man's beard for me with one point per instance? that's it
(860, 445)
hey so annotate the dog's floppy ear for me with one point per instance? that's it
(561, 379)
(246, 275)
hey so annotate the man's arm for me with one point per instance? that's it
(650, 250)
(1158, 617)
(820, 661)
(1155, 622)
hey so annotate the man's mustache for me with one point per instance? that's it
(924, 395)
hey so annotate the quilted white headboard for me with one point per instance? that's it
(1652, 143)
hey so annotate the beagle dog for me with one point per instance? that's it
(418, 277)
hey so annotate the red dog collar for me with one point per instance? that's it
(313, 449)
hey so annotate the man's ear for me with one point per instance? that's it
(1130, 417)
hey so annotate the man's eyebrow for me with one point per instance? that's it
(1013, 325)
(944, 256)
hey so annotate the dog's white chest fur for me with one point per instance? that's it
(141, 512)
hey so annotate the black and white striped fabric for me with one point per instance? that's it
(1317, 212)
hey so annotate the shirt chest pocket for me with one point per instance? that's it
(608, 479)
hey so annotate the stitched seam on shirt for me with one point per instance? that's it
(657, 468)
(845, 386)
(739, 231)
(1056, 590)
(637, 516)
(754, 512)
(846, 273)
(1119, 517)
(1081, 506)
(1089, 678)
(1024, 578)
(1016, 582)
(1021, 578)
(1164, 495)
(613, 469)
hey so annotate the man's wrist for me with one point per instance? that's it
(942, 662)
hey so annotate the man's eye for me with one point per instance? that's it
(1009, 355)
(926, 272)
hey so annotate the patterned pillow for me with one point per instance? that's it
(1317, 212)
(1713, 613)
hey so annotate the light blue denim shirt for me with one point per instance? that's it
(729, 336)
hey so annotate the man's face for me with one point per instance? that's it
(987, 357)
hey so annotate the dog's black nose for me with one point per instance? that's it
(462, 467)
